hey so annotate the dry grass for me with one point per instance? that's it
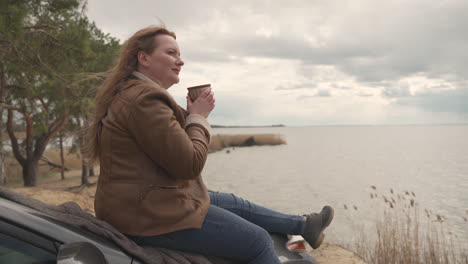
(405, 235)
(72, 160)
(84, 198)
(218, 142)
(335, 254)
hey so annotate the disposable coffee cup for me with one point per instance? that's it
(195, 91)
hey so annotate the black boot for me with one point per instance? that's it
(315, 224)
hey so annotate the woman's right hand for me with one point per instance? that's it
(203, 105)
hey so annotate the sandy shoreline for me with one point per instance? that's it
(335, 254)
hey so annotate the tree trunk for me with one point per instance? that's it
(84, 160)
(2, 154)
(62, 159)
(91, 171)
(33, 152)
(84, 171)
(2, 151)
(29, 173)
(2, 171)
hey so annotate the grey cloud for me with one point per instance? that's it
(229, 106)
(453, 101)
(362, 94)
(323, 93)
(319, 93)
(284, 87)
(304, 97)
(339, 86)
(306, 85)
(367, 42)
(376, 43)
(400, 91)
(386, 46)
(175, 14)
(205, 55)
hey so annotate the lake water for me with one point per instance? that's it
(338, 165)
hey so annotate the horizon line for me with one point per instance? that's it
(330, 125)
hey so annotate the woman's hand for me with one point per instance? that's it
(203, 105)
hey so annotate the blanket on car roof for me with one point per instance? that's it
(71, 213)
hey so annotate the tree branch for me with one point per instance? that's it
(54, 128)
(10, 107)
(29, 136)
(13, 139)
(12, 46)
(46, 106)
(41, 27)
(54, 165)
(29, 132)
(5, 48)
(49, 68)
(45, 33)
(58, 124)
(15, 86)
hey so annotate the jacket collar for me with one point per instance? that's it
(143, 77)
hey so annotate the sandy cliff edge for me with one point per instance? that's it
(53, 193)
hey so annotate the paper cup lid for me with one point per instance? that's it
(199, 86)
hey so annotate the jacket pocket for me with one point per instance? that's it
(145, 190)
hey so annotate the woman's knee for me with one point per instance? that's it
(229, 201)
(261, 244)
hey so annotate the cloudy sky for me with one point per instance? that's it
(310, 62)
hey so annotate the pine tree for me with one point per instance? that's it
(44, 46)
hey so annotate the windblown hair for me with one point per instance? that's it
(143, 40)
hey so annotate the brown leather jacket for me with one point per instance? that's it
(152, 154)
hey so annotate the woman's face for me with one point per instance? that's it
(164, 63)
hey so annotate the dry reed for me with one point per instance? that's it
(218, 142)
(405, 235)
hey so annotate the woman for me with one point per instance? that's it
(151, 154)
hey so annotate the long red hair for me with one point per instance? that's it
(143, 40)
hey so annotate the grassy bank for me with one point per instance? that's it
(407, 234)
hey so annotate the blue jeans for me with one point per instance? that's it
(233, 228)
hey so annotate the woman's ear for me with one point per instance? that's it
(142, 58)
